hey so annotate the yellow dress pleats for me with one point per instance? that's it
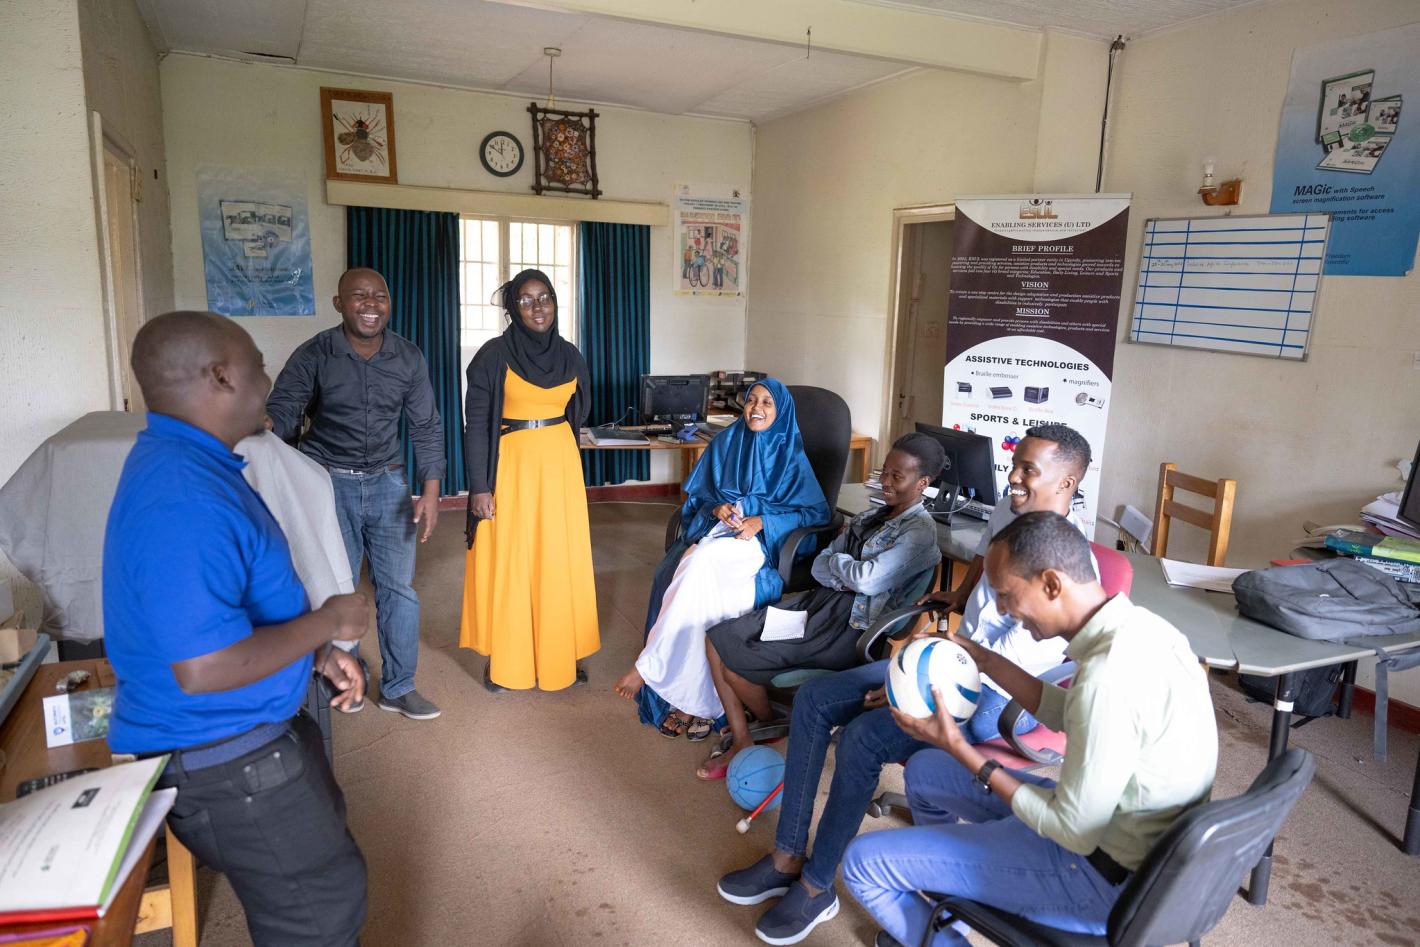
(530, 600)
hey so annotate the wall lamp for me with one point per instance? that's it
(1213, 194)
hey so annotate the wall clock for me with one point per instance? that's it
(501, 154)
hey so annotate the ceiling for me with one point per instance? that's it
(497, 46)
(1094, 17)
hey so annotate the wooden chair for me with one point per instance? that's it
(1218, 523)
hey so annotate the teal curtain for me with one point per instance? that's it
(417, 252)
(614, 287)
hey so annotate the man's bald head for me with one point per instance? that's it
(172, 353)
(204, 369)
(354, 275)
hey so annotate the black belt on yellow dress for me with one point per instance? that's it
(508, 425)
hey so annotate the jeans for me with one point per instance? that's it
(869, 740)
(982, 725)
(273, 822)
(995, 859)
(377, 520)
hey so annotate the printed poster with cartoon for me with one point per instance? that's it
(710, 240)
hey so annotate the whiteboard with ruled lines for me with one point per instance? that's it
(1230, 284)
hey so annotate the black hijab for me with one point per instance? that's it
(543, 358)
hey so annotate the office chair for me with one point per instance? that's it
(1187, 881)
(1040, 747)
(1218, 522)
(826, 427)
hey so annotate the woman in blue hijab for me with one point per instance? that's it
(753, 487)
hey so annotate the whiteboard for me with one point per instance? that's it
(1230, 284)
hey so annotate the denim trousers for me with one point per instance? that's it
(273, 822)
(377, 522)
(869, 740)
(993, 857)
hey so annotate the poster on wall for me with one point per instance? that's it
(1031, 321)
(710, 227)
(1347, 147)
(256, 241)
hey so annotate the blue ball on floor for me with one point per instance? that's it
(752, 775)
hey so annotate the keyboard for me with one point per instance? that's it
(977, 510)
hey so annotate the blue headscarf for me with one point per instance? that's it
(768, 475)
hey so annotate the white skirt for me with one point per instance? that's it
(714, 582)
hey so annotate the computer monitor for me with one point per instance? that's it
(971, 462)
(672, 399)
(1410, 500)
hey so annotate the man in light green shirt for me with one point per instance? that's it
(1143, 748)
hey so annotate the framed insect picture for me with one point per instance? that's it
(564, 151)
(359, 135)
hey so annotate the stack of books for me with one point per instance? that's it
(1396, 556)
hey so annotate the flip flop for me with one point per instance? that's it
(710, 771)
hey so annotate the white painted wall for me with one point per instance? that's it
(121, 84)
(223, 112)
(1305, 441)
(52, 350)
(826, 183)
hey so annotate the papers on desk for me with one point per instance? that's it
(780, 624)
(1384, 513)
(66, 850)
(1190, 575)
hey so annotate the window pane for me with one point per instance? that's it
(564, 244)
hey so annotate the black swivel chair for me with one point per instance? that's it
(1187, 881)
(826, 426)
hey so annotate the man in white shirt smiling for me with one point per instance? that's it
(1143, 748)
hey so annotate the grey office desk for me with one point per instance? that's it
(1211, 623)
(957, 542)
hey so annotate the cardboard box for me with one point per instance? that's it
(15, 642)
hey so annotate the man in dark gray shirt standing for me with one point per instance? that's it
(354, 381)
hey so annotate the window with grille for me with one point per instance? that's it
(491, 251)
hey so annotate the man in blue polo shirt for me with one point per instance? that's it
(213, 640)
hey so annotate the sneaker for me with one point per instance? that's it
(795, 917)
(759, 882)
(411, 705)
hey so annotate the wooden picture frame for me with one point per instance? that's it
(358, 127)
(564, 151)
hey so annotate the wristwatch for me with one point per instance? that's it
(983, 775)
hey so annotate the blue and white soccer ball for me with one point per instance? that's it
(914, 670)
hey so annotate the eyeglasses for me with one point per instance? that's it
(541, 299)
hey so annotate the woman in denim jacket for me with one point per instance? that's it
(867, 569)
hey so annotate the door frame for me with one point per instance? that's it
(103, 140)
(902, 217)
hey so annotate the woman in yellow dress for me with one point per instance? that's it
(529, 599)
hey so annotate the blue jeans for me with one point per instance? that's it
(996, 859)
(377, 520)
(869, 740)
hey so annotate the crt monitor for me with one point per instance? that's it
(1410, 499)
(668, 399)
(971, 462)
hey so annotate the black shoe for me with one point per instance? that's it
(759, 882)
(795, 917)
(884, 939)
(581, 677)
(488, 682)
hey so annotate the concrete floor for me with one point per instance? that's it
(531, 819)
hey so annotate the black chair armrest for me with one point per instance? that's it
(889, 626)
(673, 528)
(1006, 725)
(789, 551)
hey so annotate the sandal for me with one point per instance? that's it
(699, 729)
(712, 770)
(673, 725)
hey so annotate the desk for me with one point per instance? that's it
(22, 740)
(1214, 629)
(690, 452)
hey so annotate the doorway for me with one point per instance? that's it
(119, 258)
(917, 342)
